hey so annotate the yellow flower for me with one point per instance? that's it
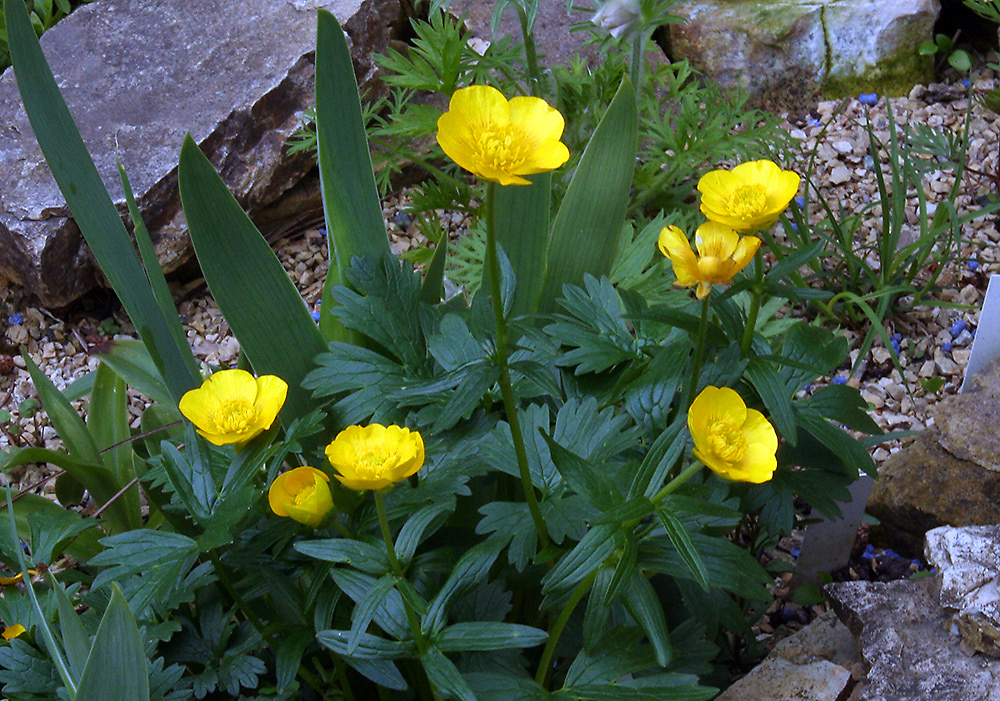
(736, 442)
(721, 254)
(16, 579)
(302, 494)
(749, 197)
(499, 140)
(11, 632)
(375, 456)
(233, 407)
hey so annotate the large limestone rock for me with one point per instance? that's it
(969, 562)
(820, 663)
(145, 72)
(786, 52)
(948, 474)
(907, 645)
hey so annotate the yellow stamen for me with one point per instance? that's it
(748, 200)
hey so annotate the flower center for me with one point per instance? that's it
(502, 147)
(235, 416)
(727, 440)
(373, 460)
(748, 200)
(304, 495)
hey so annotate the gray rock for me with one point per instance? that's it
(944, 477)
(969, 562)
(145, 72)
(786, 52)
(906, 643)
(819, 662)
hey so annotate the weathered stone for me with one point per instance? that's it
(144, 73)
(969, 562)
(942, 478)
(786, 52)
(819, 662)
(906, 643)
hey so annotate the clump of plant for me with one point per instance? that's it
(556, 487)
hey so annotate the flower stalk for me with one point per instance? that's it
(699, 352)
(506, 389)
(545, 663)
(758, 292)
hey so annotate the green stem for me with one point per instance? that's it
(545, 663)
(397, 571)
(699, 352)
(638, 56)
(506, 389)
(531, 53)
(758, 292)
(676, 482)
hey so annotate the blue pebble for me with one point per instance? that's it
(868, 553)
(800, 202)
(794, 552)
(965, 82)
(889, 552)
(322, 230)
(795, 227)
(958, 327)
(839, 380)
(870, 99)
(895, 345)
(813, 122)
(973, 265)
(946, 347)
(315, 315)
(403, 219)
(917, 563)
(15, 319)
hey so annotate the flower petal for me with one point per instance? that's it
(757, 466)
(759, 431)
(540, 121)
(716, 240)
(271, 394)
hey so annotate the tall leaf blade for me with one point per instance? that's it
(116, 667)
(521, 216)
(259, 302)
(589, 223)
(354, 225)
(92, 208)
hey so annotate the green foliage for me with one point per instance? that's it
(944, 45)
(560, 538)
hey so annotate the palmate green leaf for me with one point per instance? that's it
(350, 199)
(30, 507)
(26, 670)
(256, 297)
(813, 347)
(521, 221)
(422, 524)
(488, 635)
(92, 208)
(586, 478)
(116, 667)
(588, 225)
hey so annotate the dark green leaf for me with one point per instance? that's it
(774, 393)
(681, 540)
(521, 216)
(643, 605)
(586, 478)
(444, 675)
(252, 290)
(595, 547)
(365, 609)
(116, 667)
(488, 635)
(369, 647)
(844, 405)
(363, 556)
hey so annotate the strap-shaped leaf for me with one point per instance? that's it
(259, 302)
(116, 667)
(75, 640)
(589, 223)
(365, 609)
(354, 223)
(585, 557)
(358, 554)
(521, 218)
(108, 423)
(92, 208)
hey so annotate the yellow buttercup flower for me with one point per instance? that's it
(302, 494)
(721, 254)
(735, 442)
(11, 632)
(500, 140)
(233, 407)
(375, 456)
(749, 197)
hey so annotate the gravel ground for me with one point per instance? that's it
(935, 341)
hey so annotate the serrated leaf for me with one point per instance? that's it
(594, 328)
(587, 479)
